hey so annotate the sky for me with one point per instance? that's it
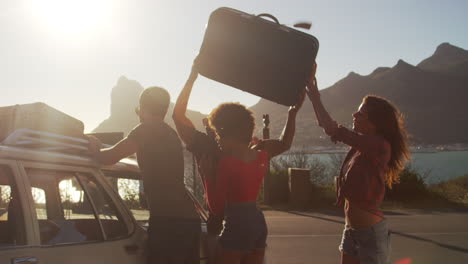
(70, 53)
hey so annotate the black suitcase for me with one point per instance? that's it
(40, 117)
(257, 55)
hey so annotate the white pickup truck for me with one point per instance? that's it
(59, 206)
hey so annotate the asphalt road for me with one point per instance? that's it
(418, 237)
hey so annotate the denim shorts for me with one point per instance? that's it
(370, 245)
(245, 228)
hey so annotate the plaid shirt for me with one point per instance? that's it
(207, 155)
(362, 175)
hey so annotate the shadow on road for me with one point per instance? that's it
(455, 248)
(316, 217)
(394, 213)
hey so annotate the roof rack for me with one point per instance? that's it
(28, 138)
(110, 138)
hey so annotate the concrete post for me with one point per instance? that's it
(299, 187)
(194, 175)
(266, 179)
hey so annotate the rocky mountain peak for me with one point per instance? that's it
(403, 68)
(124, 95)
(124, 98)
(446, 58)
(420, 92)
(403, 64)
(352, 76)
(446, 49)
(380, 70)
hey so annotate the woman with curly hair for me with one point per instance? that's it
(379, 150)
(232, 169)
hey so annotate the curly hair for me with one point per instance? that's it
(232, 120)
(389, 123)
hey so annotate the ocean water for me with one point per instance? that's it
(436, 167)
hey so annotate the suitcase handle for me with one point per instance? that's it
(269, 16)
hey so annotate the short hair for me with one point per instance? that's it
(232, 120)
(155, 100)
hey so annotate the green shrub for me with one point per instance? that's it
(279, 178)
(322, 196)
(319, 170)
(336, 161)
(411, 186)
(279, 186)
(454, 190)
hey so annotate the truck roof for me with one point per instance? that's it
(30, 145)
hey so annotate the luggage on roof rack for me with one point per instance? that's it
(38, 140)
(33, 139)
(110, 138)
(40, 117)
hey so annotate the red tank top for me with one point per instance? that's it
(236, 181)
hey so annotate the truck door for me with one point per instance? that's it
(15, 218)
(77, 220)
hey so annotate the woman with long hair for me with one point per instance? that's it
(232, 169)
(379, 150)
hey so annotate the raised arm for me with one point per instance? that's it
(278, 146)
(364, 143)
(184, 126)
(323, 117)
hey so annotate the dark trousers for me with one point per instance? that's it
(173, 240)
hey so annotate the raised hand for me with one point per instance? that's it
(312, 88)
(94, 144)
(300, 102)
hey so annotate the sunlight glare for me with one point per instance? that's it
(70, 192)
(71, 16)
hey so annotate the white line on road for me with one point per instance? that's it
(302, 217)
(339, 235)
(274, 236)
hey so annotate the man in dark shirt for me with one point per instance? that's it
(174, 226)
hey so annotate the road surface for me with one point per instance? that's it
(417, 236)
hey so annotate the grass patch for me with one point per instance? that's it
(413, 193)
(322, 197)
(454, 190)
(410, 193)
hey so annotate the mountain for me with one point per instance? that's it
(124, 99)
(447, 59)
(432, 96)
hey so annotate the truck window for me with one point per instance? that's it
(111, 221)
(11, 215)
(63, 212)
(39, 202)
(131, 192)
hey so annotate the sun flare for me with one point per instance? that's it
(71, 16)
